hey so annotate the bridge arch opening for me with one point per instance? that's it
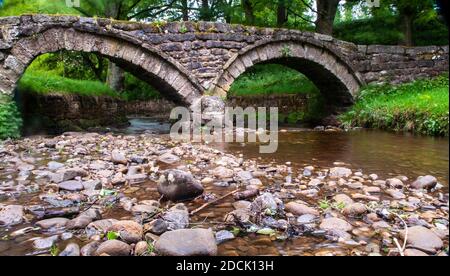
(150, 65)
(331, 74)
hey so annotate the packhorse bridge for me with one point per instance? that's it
(186, 60)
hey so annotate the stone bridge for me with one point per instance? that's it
(188, 60)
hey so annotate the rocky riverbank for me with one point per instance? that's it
(90, 194)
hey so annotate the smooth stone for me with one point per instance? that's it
(176, 219)
(223, 236)
(187, 242)
(117, 157)
(242, 204)
(53, 166)
(424, 182)
(53, 223)
(300, 209)
(44, 243)
(244, 175)
(354, 209)
(128, 230)
(92, 185)
(343, 199)
(335, 224)
(141, 248)
(72, 249)
(68, 174)
(394, 183)
(414, 253)
(395, 194)
(72, 185)
(136, 178)
(99, 227)
(340, 172)
(168, 158)
(179, 185)
(306, 219)
(423, 239)
(222, 172)
(11, 215)
(113, 248)
(143, 209)
(90, 248)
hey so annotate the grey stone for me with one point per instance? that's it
(187, 242)
(179, 185)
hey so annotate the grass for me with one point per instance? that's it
(18, 7)
(269, 79)
(41, 82)
(421, 107)
(10, 119)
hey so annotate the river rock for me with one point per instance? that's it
(157, 226)
(168, 158)
(53, 166)
(90, 248)
(73, 185)
(53, 223)
(343, 199)
(340, 172)
(68, 174)
(335, 224)
(187, 242)
(414, 253)
(72, 249)
(223, 236)
(128, 230)
(242, 204)
(394, 183)
(300, 209)
(99, 227)
(179, 185)
(223, 173)
(44, 243)
(264, 202)
(306, 219)
(136, 178)
(113, 248)
(354, 209)
(395, 194)
(141, 248)
(11, 215)
(92, 185)
(144, 210)
(423, 239)
(424, 182)
(176, 218)
(117, 157)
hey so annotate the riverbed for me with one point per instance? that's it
(303, 157)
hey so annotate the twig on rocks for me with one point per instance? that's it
(212, 202)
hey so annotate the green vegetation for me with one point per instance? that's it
(16, 7)
(269, 79)
(112, 235)
(10, 119)
(273, 79)
(421, 107)
(384, 31)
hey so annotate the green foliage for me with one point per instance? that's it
(10, 119)
(18, 7)
(150, 248)
(112, 235)
(54, 250)
(42, 82)
(421, 107)
(385, 30)
(138, 90)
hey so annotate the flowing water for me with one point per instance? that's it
(384, 153)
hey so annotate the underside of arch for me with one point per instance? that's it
(168, 78)
(333, 77)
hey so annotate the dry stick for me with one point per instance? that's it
(402, 249)
(212, 202)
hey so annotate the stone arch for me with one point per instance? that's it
(145, 62)
(333, 75)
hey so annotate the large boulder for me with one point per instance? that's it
(187, 242)
(179, 185)
(424, 182)
(422, 238)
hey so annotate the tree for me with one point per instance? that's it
(282, 14)
(411, 10)
(247, 6)
(326, 13)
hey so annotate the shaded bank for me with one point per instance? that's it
(55, 113)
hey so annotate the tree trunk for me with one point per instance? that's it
(326, 13)
(116, 77)
(205, 13)
(185, 10)
(408, 29)
(248, 10)
(282, 16)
